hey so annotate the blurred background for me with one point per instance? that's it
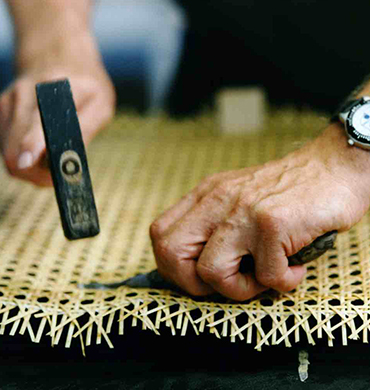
(176, 55)
(140, 41)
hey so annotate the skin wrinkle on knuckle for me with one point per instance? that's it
(229, 227)
(169, 249)
(219, 193)
(209, 273)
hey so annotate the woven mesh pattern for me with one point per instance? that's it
(140, 168)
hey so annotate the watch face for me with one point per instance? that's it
(358, 123)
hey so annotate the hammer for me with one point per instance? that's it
(67, 160)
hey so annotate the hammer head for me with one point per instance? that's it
(67, 160)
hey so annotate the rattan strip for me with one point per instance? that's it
(139, 168)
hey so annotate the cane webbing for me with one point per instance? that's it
(139, 168)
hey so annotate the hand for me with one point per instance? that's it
(270, 211)
(21, 138)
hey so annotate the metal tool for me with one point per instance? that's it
(154, 280)
(67, 160)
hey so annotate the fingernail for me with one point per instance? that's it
(25, 160)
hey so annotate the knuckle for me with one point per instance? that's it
(221, 194)
(209, 274)
(269, 279)
(221, 190)
(246, 200)
(154, 230)
(208, 181)
(163, 248)
(269, 218)
(229, 227)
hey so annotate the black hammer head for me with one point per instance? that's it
(67, 160)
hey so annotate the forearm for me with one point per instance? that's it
(52, 26)
(351, 163)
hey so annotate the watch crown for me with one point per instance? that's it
(350, 142)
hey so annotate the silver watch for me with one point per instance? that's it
(355, 115)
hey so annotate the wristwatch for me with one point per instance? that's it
(355, 115)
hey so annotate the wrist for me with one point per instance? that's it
(52, 29)
(351, 164)
(56, 50)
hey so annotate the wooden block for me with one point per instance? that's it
(241, 110)
(67, 160)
